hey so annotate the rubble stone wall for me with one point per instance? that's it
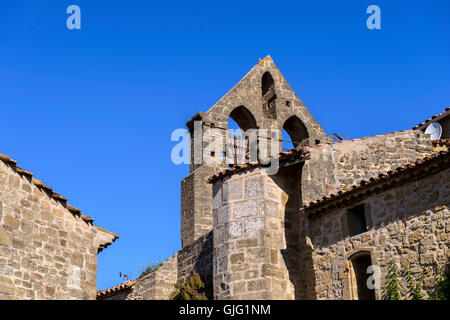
(409, 224)
(157, 285)
(46, 252)
(332, 167)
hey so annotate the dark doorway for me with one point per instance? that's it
(360, 265)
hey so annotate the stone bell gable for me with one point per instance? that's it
(310, 230)
(262, 99)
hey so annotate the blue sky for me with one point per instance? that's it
(91, 111)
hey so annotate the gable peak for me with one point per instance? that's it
(267, 59)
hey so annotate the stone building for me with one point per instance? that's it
(311, 230)
(275, 239)
(331, 211)
(401, 215)
(48, 248)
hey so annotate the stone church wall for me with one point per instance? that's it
(46, 251)
(367, 157)
(245, 103)
(157, 285)
(257, 227)
(256, 249)
(197, 257)
(335, 166)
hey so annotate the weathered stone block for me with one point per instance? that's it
(245, 243)
(271, 271)
(235, 229)
(237, 258)
(238, 288)
(5, 238)
(251, 274)
(11, 222)
(254, 188)
(223, 214)
(232, 190)
(257, 285)
(270, 208)
(253, 226)
(6, 285)
(245, 209)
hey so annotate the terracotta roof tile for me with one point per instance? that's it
(441, 115)
(123, 286)
(427, 165)
(297, 152)
(290, 154)
(116, 236)
(441, 142)
(39, 184)
(106, 244)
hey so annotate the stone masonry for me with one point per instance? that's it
(258, 213)
(255, 236)
(251, 235)
(48, 249)
(409, 224)
(308, 231)
(243, 103)
(157, 285)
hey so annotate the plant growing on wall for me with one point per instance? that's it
(192, 288)
(150, 267)
(414, 286)
(443, 286)
(392, 290)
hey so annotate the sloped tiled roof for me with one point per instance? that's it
(57, 197)
(422, 167)
(441, 143)
(436, 117)
(123, 286)
(42, 186)
(113, 237)
(299, 152)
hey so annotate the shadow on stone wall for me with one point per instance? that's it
(297, 256)
(198, 257)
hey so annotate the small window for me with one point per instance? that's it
(356, 218)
